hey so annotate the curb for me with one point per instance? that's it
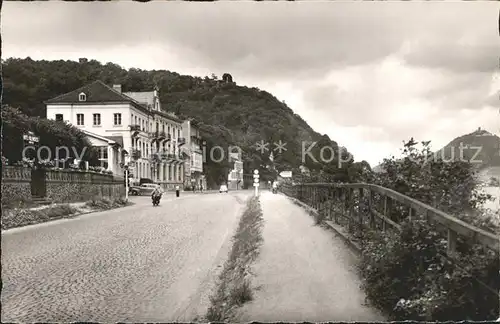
(337, 229)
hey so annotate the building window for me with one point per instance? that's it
(117, 119)
(97, 119)
(82, 97)
(103, 152)
(59, 117)
(79, 119)
(135, 120)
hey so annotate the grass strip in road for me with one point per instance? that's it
(17, 217)
(234, 286)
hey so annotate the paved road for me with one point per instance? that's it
(304, 272)
(135, 264)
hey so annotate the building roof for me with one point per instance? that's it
(96, 92)
(146, 97)
(116, 139)
(169, 116)
(105, 139)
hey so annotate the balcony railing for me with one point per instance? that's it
(181, 141)
(155, 158)
(136, 154)
(135, 128)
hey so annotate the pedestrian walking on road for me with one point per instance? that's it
(177, 191)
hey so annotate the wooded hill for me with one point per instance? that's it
(230, 114)
(481, 147)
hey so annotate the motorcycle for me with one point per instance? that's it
(156, 200)
(275, 190)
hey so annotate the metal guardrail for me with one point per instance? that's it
(316, 194)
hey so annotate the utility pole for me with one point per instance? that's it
(126, 182)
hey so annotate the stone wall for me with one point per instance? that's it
(16, 184)
(61, 186)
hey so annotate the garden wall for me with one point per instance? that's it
(61, 185)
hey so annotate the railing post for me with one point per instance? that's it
(452, 242)
(337, 201)
(316, 200)
(385, 212)
(351, 207)
(370, 208)
(329, 203)
(315, 196)
(360, 211)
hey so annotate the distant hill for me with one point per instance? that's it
(480, 147)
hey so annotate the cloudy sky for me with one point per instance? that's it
(368, 74)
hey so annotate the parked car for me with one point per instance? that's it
(223, 188)
(144, 189)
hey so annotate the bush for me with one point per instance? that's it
(121, 201)
(21, 217)
(58, 210)
(104, 203)
(405, 274)
(99, 203)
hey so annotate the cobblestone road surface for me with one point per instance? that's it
(134, 264)
(304, 272)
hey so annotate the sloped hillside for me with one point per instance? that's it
(229, 114)
(480, 147)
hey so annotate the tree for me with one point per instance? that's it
(449, 186)
(52, 134)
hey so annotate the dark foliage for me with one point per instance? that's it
(52, 135)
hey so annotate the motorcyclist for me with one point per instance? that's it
(156, 193)
(275, 186)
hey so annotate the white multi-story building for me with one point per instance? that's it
(127, 126)
(194, 155)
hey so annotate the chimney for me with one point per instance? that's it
(117, 87)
